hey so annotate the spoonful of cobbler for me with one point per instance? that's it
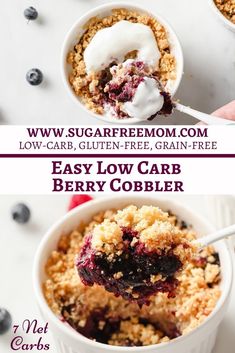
(130, 89)
(136, 254)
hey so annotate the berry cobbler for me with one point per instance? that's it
(137, 254)
(227, 8)
(123, 66)
(183, 284)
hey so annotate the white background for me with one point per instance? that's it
(209, 52)
(19, 243)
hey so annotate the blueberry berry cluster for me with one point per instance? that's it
(31, 13)
(20, 213)
(5, 321)
(34, 76)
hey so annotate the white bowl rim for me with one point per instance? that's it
(77, 336)
(226, 21)
(85, 17)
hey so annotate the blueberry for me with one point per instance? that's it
(30, 13)
(5, 321)
(34, 77)
(20, 213)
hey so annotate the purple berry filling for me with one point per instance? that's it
(167, 108)
(92, 329)
(135, 263)
(103, 334)
(122, 89)
(125, 91)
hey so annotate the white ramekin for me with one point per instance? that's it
(67, 340)
(228, 24)
(76, 32)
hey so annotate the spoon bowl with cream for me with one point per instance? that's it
(122, 63)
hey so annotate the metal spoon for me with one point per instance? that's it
(206, 118)
(213, 237)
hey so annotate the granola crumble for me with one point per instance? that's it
(155, 229)
(227, 8)
(101, 316)
(90, 87)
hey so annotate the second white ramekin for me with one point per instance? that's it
(104, 10)
(228, 24)
(67, 340)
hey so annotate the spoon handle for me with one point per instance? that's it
(213, 237)
(206, 118)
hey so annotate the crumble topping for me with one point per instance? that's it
(99, 315)
(227, 8)
(90, 87)
(134, 333)
(107, 237)
(154, 229)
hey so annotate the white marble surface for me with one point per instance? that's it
(17, 248)
(209, 52)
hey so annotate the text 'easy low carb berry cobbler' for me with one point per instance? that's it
(123, 66)
(179, 285)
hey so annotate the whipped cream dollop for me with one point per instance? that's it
(146, 102)
(113, 43)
